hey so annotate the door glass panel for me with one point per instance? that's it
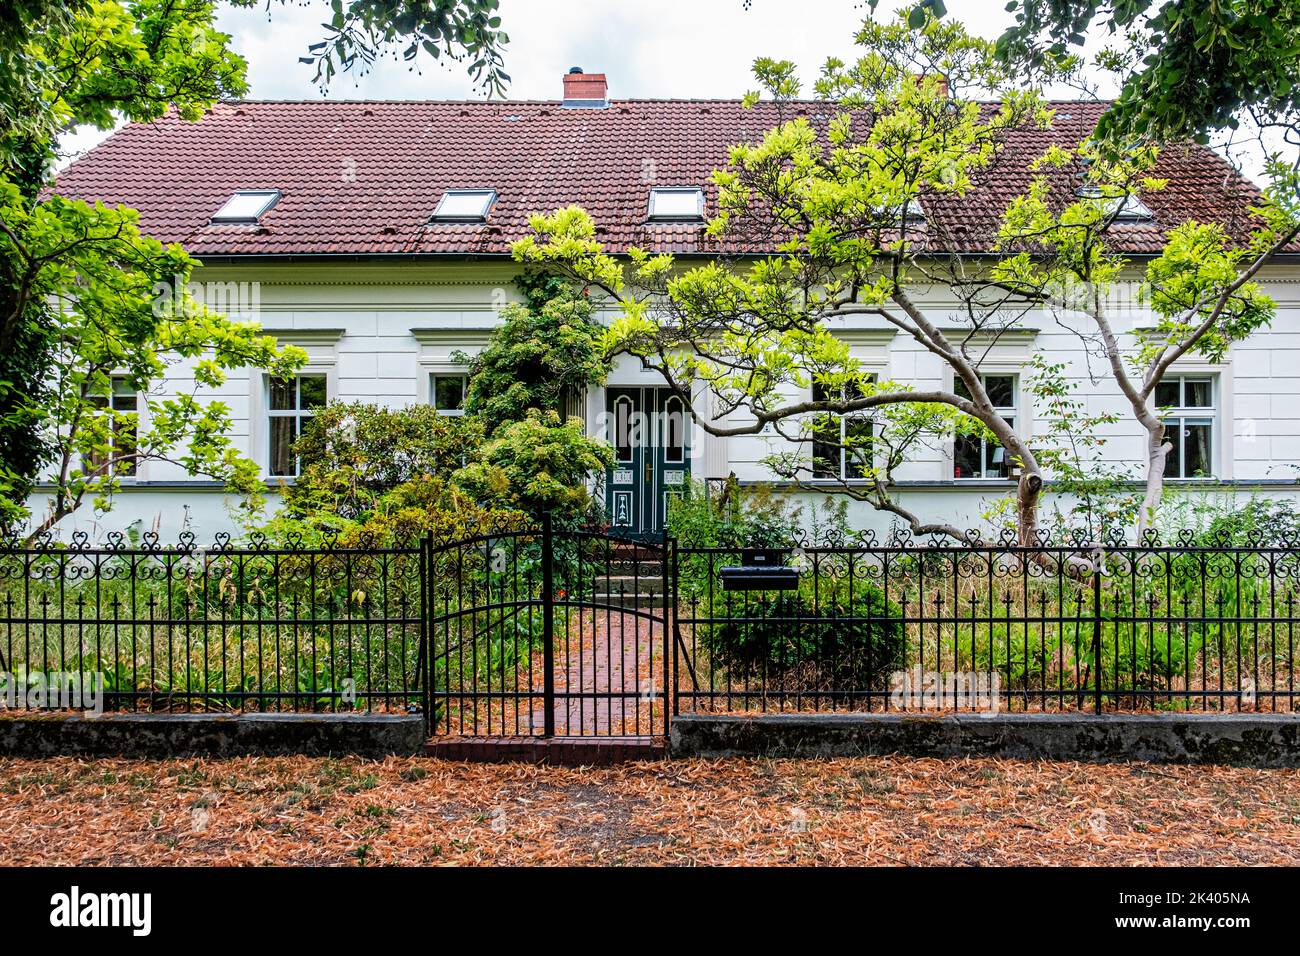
(623, 428)
(674, 430)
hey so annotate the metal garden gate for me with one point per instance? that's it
(544, 632)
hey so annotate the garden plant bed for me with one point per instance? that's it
(865, 810)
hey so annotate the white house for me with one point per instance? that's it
(376, 235)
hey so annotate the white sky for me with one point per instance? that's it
(648, 48)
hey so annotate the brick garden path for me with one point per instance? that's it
(606, 651)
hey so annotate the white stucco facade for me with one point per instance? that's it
(378, 331)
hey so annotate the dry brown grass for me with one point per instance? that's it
(870, 810)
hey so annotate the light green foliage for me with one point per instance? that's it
(1073, 447)
(539, 464)
(754, 332)
(356, 457)
(758, 333)
(1199, 269)
(1195, 287)
(96, 62)
(383, 477)
(113, 310)
(63, 65)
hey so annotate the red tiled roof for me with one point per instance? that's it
(363, 178)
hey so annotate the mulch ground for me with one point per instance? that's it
(869, 810)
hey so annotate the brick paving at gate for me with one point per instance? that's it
(612, 651)
(616, 652)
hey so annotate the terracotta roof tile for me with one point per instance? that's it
(363, 177)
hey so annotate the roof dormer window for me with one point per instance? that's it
(677, 204)
(465, 205)
(247, 206)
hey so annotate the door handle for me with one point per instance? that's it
(649, 472)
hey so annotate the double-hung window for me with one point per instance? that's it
(1186, 403)
(974, 456)
(293, 402)
(122, 404)
(841, 444)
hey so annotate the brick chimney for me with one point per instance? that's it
(585, 89)
(941, 77)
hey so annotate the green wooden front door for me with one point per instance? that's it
(650, 431)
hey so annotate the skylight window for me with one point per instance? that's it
(913, 214)
(1131, 208)
(677, 204)
(465, 205)
(247, 206)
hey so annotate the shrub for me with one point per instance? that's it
(544, 350)
(840, 642)
(734, 518)
(537, 465)
(359, 459)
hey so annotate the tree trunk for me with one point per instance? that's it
(1157, 453)
(1029, 491)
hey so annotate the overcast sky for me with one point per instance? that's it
(648, 48)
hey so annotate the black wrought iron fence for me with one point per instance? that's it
(504, 634)
(226, 628)
(911, 626)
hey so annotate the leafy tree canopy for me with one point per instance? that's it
(1187, 67)
(67, 63)
(761, 334)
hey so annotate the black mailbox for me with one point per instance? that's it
(761, 569)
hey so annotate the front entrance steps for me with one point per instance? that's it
(635, 577)
(628, 590)
(554, 751)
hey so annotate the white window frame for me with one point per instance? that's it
(321, 346)
(435, 373)
(654, 215)
(269, 198)
(440, 213)
(1182, 413)
(1015, 413)
(303, 415)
